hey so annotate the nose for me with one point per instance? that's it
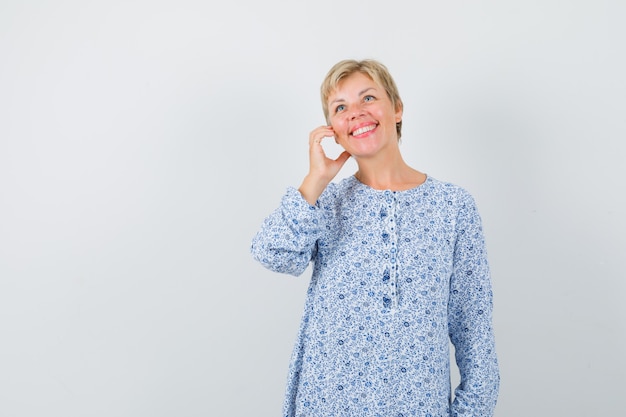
(356, 112)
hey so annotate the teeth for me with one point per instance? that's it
(362, 130)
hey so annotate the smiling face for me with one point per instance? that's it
(363, 116)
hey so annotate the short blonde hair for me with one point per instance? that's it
(370, 67)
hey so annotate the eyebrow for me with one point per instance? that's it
(360, 94)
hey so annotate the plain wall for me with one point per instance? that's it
(143, 142)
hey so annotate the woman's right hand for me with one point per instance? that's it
(322, 169)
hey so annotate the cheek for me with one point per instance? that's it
(340, 136)
(381, 114)
(336, 122)
(339, 127)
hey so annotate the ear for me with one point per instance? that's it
(399, 108)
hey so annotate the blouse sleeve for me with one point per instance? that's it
(287, 240)
(470, 319)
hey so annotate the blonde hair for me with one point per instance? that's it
(370, 67)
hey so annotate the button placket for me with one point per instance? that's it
(390, 239)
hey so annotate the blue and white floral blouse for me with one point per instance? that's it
(396, 274)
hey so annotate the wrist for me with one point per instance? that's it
(312, 187)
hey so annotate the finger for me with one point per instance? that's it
(318, 134)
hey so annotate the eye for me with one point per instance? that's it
(369, 98)
(339, 108)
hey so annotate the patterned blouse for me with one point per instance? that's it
(396, 275)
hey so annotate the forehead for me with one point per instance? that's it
(353, 84)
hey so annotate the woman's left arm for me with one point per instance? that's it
(470, 318)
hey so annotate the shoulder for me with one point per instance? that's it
(339, 190)
(452, 193)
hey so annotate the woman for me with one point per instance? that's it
(399, 269)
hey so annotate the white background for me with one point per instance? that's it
(143, 142)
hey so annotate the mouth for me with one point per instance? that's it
(363, 130)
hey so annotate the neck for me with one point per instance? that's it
(393, 174)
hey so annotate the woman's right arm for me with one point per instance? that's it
(287, 239)
(322, 169)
